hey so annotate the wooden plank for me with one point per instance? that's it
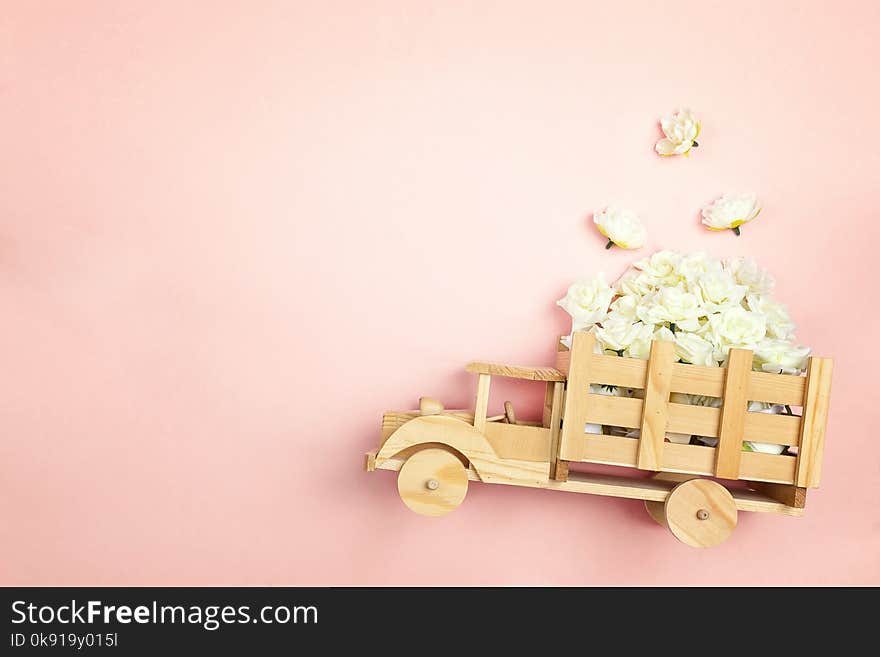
(617, 371)
(777, 388)
(576, 395)
(654, 416)
(555, 426)
(516, 371)
(548, 404)
(482, 403)
(613, 411)
(689, 459)
(697, 380)
(518, 441)
(815, 416)
(733, 414)
(794, 496)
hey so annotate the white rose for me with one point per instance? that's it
(661, 268)
(615, 334)
(691, 348)
(747, 272)
(735, 327)
(681, 130)
(670, 304)
(624, 307)
(779, 324)
(640, 345)
(587, 302)
(731, 211)
(635, 284)
(717, 290)
(696, 265)
(621, 227)
(780, 356)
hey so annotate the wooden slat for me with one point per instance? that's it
(555, 429)
(733, 414)
(579, 376)
(694, 420)
(548, 404)
(815, 417)
(613, 411)
(690, 459)
(516, 371)
(518, 441)
(794, 496)
(697, 380)
(654, 415)
(482, 403)
(617, 371)
(776, 388)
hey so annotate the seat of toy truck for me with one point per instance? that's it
(516, 371)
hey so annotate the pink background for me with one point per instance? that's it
(233, 233)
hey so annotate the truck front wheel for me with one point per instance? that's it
(432, 482)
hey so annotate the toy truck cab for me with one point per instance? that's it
(498, 449)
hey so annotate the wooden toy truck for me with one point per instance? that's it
(438, 451)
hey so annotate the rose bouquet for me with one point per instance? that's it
(705, 306)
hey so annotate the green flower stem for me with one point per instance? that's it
(609, 245)
(736, 231)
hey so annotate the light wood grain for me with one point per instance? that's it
(815, 416)
(701, 513)
(794, 496)
(733, 414)
(654, 408)
(691, 459)
(516, 371)
(432, 482)
(519, 441)
(482, 402)
(579, 378)
(689, 419)
(555, 430)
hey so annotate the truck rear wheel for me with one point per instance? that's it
(432, 482)
(701, 513)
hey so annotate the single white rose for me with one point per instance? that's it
(691, 348)
(640, 345)
(717, 290)
(747, 272)
(731, 211)
(780, 356)
(661, 268)
(615, 334)
(621, 227)
(635, 283)
(670, 304)
(735, 327)
(624, 307)
(779, 324)
(681, 130)
(694, 266)
(587, 302)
